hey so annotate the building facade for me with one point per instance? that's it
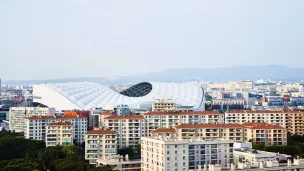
(17, 115)
(130, 129)
(36, 126)
(161, 153)
(262, 133)
(99, 144)
(155, 120)
(290, 119)
(163, 105)
(59, 133)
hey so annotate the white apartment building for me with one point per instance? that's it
(272, 117)
(36, 126)
(254, 158)
(162, 153)
(163, 105)
(17, 115)
(59, 133)
(99, 144)
(155, 120)
(120, 163)
(129, 128)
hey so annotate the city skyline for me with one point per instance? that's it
(54, 39)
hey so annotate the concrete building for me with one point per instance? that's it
(266, 134)
(246, 157)
(155, 120)
(274, 101)
(293, 121)
(59, 133)
(233, 132)
(99, 144)
(36, 126)
(262, 133)
(272, 117)
(17, 115)
(163, 105)
(120, 163)
(129, 128)
(162, 153)
(290, 119)
(122, 110)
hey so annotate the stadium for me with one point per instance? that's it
(87, 95)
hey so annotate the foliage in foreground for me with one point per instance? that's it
(19, 154)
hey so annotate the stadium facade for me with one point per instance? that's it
(87, 95)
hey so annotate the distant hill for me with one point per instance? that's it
(273, 72)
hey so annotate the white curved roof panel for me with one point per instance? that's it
(87, 95)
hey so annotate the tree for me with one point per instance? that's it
(258, 146)
(127, 150)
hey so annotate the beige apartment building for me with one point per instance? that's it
(208, 131)
(272, 117)
(262, 133)
(292, 120)
(99, 144)
(130, 129)
(163, 105)
(155, 120)
(266, 134)
(59, 133)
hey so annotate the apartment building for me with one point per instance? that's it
(290, 119)
(59, 133)
(99, 144)
(164, 132)
(208, 131)
(263, 133)
(155, 120)
(163, 105)
(17, 115)
(36, 126)
(162, 153)
(294, 121)
(272, 117)
(266, 134)
(129, 128)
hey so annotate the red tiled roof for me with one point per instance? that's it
(193, 126)
(55, 117)
(183, 113)
(106, 113)
(265, 111)
(236, 111)
(255, 111)
(101, 131)
(293, 111)
(164, 130)
(125, 117)
(262, 125)
(60, 123)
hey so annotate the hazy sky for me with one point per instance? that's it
(56, 39)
